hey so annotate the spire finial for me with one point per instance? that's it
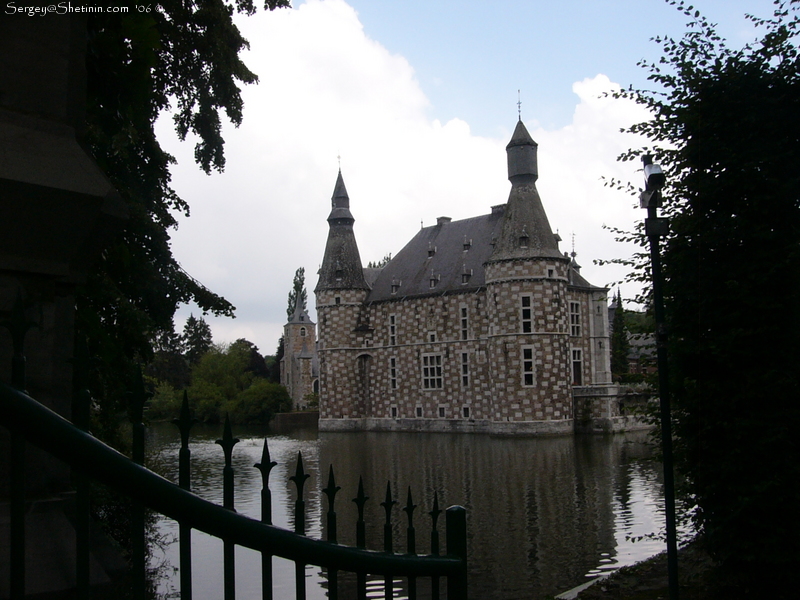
(519, 105)
(339, 158)
(573, 254)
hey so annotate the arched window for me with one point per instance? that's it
(302, 332)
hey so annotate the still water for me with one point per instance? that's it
(543, 514)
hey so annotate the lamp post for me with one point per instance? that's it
(655, 228)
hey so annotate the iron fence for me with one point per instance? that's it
(29, 421)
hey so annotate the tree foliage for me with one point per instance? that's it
(381, 263)
(275, 363)
(619, 341)
(726, 129)
(224, 383)
(298, 293)
(182, 57)
(227, 379)
(196, 339)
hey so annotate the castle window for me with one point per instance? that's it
(466, 412)
(526, 314)
(577, 367)
(419, 412)
(339, 274)
(392, 330)
(394, 412)
(441, 412)
(337, 300)
(393, 373)
(465, 277)
(528, 368)
(464, 369)
(432, 336)
(467, 244)
(434, 279)
(523, 238)
(464, 324)
(550, 272)
(431, 251)
(574, 319)
(302, 332)
(432, 371)
(395, 286)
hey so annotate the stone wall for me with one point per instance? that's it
(611, 408)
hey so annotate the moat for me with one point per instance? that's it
(544, 514)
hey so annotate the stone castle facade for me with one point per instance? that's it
(481, 324)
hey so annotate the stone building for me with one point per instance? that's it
(299, 365)
(481, 324)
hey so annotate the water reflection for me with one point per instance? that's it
(543, 513)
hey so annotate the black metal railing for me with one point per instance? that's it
(29, 421)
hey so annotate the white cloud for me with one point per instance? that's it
(326, 90)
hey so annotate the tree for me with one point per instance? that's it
(181, 56)
(619, 341)
(275, 363)
(223, 383)
(381, 263)
(298, 293)
(255, 363)
(168, 364)
(727, 129)
(196, 339)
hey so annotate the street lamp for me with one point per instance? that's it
(655, 228)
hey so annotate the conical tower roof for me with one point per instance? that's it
(300, 314)
(525, 232)
(341, 266)
(340, 201)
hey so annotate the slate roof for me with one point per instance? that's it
(578, 280)
(341, 263)
(411, 268)
(300, 315)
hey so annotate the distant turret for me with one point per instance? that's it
(341, 266)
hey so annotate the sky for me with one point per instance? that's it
(415, 102)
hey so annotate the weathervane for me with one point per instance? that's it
(519, 105)
(339, 158)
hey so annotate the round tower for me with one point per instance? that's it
(526, 286)
(340, 295)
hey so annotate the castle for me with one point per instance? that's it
(481, 324)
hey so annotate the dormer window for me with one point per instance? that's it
(395, 286)
(302, 332)
(339, 274)
(467, 244)
(431, 251)
(524, 239)
(434, 279)
(465, 275)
